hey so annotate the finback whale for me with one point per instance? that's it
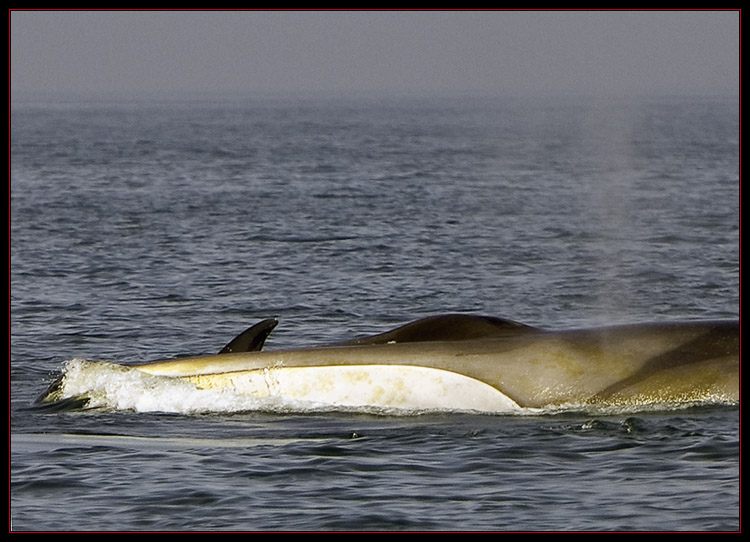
(469, 362)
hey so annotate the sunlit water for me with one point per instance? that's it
(146, 231)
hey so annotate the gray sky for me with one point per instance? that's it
(493, 53)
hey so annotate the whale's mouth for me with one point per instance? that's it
(87, 384)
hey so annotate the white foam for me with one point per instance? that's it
(116, 387)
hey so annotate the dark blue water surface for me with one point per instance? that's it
(145, 230)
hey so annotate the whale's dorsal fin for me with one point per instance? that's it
(252, 339)
(447, 327)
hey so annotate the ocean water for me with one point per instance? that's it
(143, 230)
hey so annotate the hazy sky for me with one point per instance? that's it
(494, 53)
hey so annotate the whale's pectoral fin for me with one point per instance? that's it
(252, 339)
(450, 327)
